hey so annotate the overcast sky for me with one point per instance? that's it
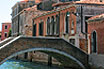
(5, 6)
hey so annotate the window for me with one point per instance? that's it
(48, 26)
(101, 1)
(86, 26)
(5, 34)
(72, 41)
(94, 42)
(5, 26)
(41, 28)
(57, 24)
(26, 55)
(67, 22)
(52, 24)
(34, 30)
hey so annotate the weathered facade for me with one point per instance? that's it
(82, 12)
(96, 33)
(63, 19)
(16, 11)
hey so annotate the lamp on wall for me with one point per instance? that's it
(68, 14)
(76, 14)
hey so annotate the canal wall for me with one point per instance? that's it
(96, 60)
(35, 56)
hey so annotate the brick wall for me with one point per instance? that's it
(97, 26)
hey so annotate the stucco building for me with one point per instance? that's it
(16, 10)
(6, 26)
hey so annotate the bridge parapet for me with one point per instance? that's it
(65, 52)
(5, 41)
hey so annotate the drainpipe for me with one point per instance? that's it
(84, 33)
(59, 24)
(32, 27)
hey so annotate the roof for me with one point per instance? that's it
(77, 2)
(36, 12)
(6, 23)
(96, 18)
(89, 2)
(62, 3)
(42, 13)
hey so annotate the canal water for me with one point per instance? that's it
(17, 64)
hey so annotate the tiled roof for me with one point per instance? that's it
(89, 2)
(24, 1)
(36, 12)
(96, 18)
(42, 13)
(7, 22)
(62, 3)
(76, 2)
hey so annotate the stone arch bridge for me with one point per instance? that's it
(60, 49)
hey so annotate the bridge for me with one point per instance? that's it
(63, 51)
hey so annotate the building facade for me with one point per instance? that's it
(96, 34)
(5, 30)
(63, 20)
(16, 11)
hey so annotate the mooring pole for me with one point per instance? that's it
(49, 60)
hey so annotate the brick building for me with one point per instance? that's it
(63, 20)
(6, 26)
(96, 34)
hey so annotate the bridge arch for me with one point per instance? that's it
(46, 49)
(64, 50)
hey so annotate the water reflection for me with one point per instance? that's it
(17, 64)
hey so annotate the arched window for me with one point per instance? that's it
(67, 22)
(41, 28)
(94, 42)
(34, 30)
(57, 24)
(52, 25)
(48, 26)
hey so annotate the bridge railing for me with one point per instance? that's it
(5, 41)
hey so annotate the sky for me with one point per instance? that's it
(5, 6)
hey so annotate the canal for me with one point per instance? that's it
(17, 64)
